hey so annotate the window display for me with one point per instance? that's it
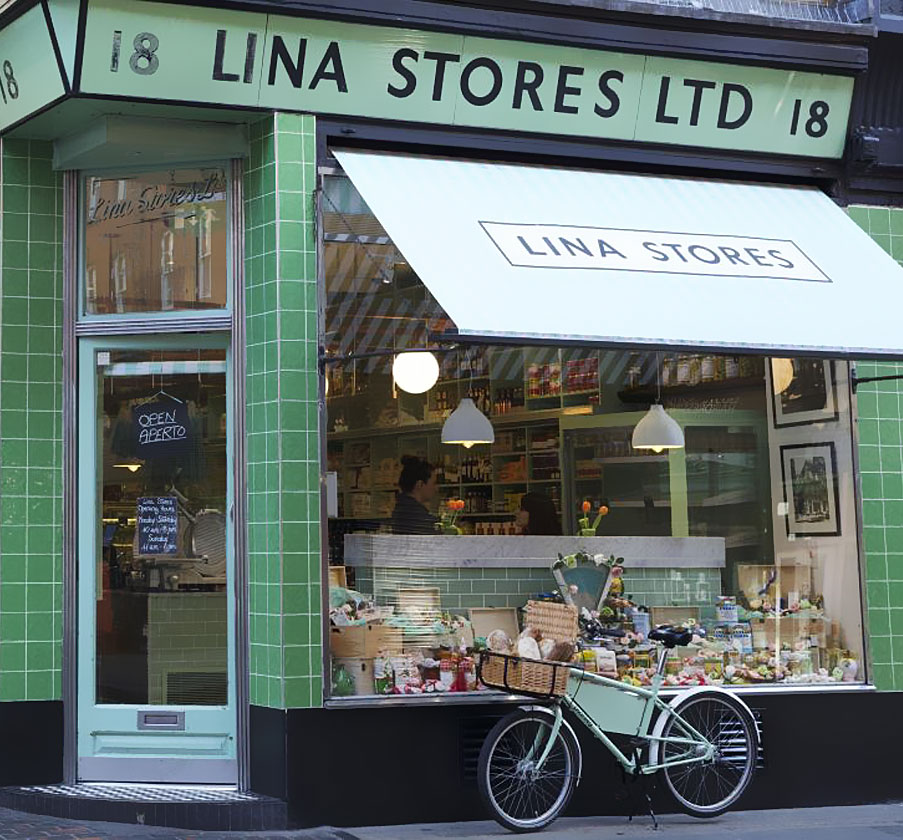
(745, 534)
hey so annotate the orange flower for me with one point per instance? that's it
(452, 504)
(603, 510)
(459, 505)
(587, 507)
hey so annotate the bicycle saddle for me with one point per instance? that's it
(671, 636)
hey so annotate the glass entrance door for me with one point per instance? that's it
(156, 611)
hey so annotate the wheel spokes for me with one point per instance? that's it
(522, 791)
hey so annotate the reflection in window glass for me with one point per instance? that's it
(746, 534)
(156, 242)
(161, 589)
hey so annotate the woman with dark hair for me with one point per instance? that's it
(417, 485)
(537, 516)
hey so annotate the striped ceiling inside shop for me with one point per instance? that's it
(375, 301)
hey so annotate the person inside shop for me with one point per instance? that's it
(417, 487)
(537, 516)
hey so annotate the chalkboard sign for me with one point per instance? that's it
(158, 525)
(161, 429)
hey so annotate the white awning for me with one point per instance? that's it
(515, 251)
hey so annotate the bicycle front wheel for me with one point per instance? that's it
(709, 788)
(521, 794)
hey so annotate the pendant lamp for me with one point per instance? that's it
(467, 425)
(415, 371)
(657, 430)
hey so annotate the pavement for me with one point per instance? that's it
(862, 822)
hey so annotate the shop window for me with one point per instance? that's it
(746, 534)
(156, 242)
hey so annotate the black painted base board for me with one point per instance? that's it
(382, 766)
(31, 734)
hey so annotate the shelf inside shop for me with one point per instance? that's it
(509, 453)
(473, 378)
(631, 459)
(732, 497)
(648, 393)
(637, 503)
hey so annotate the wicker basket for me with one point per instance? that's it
(555, 621)
(540, 678)
(537, 678)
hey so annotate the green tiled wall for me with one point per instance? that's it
(283, 437)
(880, 412)
(460, 589)
(31, 474)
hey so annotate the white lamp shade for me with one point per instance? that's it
(781, 374)
(415, 372)
(657, 431)
(467, 425)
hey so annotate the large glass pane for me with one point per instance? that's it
(156, 242)
(747, 533)
(161, 566)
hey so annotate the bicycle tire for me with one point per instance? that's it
(711, 788)
(517, 799)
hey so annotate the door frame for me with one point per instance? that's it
(233, 326)
(221, 720)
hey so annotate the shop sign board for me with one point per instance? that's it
(29, 73)
(205, 55)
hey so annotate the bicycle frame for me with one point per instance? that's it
(698, 748)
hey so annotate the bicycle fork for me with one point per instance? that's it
(538, 763)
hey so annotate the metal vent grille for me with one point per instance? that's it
(760, 758)
(196, 688)
(472, 733)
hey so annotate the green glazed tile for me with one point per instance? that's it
(12, 686)
(883, 677)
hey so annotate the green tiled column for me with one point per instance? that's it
(880, 407)
(31, 474)
(283, 440)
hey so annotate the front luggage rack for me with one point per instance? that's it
(516, 675)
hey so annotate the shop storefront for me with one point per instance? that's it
(324, 333)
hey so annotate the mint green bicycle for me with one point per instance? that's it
(704, 741)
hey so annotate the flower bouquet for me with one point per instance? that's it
(584, 529)
(449, 516)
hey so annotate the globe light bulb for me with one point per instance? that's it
(415, 372)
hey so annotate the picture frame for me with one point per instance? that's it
(811, 494)
(809, 397)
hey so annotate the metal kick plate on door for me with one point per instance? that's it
(168, 721)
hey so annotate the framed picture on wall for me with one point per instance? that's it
(811, 497)
(803, 391)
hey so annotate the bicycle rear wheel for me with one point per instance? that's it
(521, 796)
(707, 789)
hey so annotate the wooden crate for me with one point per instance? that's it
(794, 629)
(486, 619)
(337, 576)
(364, 641)
(753, 579)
